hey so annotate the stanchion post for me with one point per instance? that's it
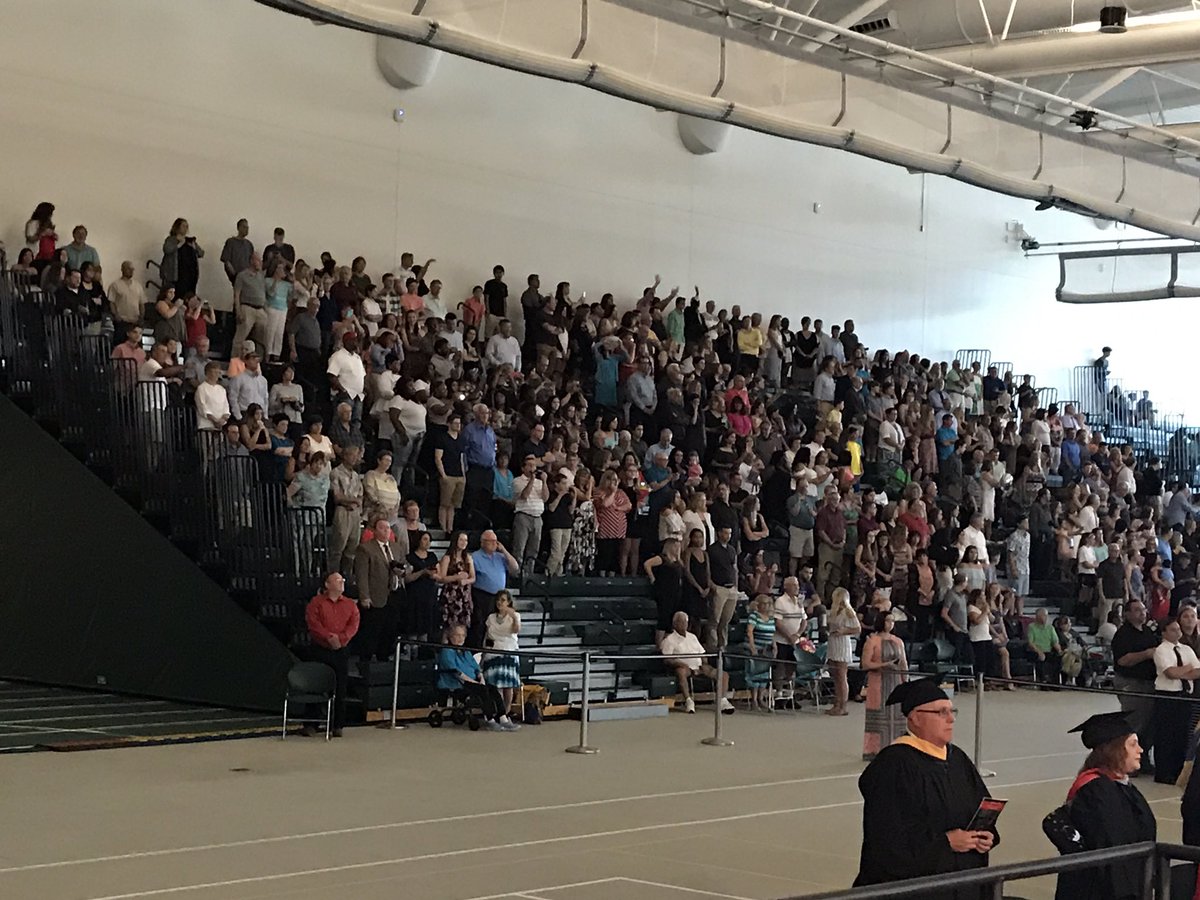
(584, 709)
(717, 740)
(396, 685)
(984, 773)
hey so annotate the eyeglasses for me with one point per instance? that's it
(944, 713)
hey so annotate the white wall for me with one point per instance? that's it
(224, 109)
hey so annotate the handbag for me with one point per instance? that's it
(1057, 825)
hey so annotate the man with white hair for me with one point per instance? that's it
(920, 796)
(689, 659)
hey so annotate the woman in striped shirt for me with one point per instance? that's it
(612, 508)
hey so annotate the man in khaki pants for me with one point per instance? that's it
(347, 488)
(722, 561)
(250, 301)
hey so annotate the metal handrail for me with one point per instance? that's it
(996, 876)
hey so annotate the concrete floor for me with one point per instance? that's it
(452, 815)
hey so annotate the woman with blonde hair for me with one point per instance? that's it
(843, 628)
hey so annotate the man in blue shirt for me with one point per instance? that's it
(946, 437)
(481, 458)
(458, 671)
(493, 565)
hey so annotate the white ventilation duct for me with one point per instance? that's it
(710, 71)
(1055, 54)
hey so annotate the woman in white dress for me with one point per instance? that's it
(843, 628)
(502, 668)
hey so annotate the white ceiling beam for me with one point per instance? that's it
(1177, 79)
(851, 18)
(1090, 96)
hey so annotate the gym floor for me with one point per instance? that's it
(455, 815)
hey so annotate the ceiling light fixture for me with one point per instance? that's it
(1166, 18)
(1112, 19)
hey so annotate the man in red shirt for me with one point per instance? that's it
(332, 620)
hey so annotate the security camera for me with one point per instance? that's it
(1029, 243)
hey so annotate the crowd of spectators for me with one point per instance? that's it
(721, 453)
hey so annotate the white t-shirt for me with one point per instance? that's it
(789, 618)
(412, 417)
(675, 644)
(981, 630)
(350, 372)
(435, 306)
(1164, 658)
(211, 400)
(501, 633)
(370, 307)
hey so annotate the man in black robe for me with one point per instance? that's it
(919, 796)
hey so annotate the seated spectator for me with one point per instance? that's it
(1043, 641)
(458, 671)
(680, 642)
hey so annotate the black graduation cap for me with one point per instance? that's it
(912, 694)
(1103, 728)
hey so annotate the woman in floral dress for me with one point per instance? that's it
(456, 572)
(581, 551)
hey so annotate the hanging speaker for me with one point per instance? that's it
(702, 136)
(404, 65)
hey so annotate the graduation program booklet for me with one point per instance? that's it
(986, 816)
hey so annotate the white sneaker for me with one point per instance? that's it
(726, 706)
(508, 724)
(689, 705)
(491, 725)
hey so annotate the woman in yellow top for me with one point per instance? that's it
(750, 340)
(854, 448)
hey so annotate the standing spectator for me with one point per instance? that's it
(502, 669)
(421, 590)
(1177, 669)
(131, 347)
(79, 251)
(304, 344)
(1133, 649)
(250, 301)
(128, 300)
(333, 621)
(530, 494)
(450, 459)
(456, 574)
(493, 564)
(347, 375)
(613, 507)
(723, 569)
(310, 487)
(40, 235)
(171, 324)
(180, 267)
(665, 573)
(197, 317)
(287, 397)
(844, 627)
(379, 566)
(212, 401)
(830, 532)
(279, 249)
(237, 252)
(1018, 546)
(558, 519)
(955, 619)
(248, 387)
(496, 293)
(278, 290)
(347, 488)
(480, 448)
(884, 659)
(502, 348)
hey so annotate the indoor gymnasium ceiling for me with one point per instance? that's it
(1027, 97)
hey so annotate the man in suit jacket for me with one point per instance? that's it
(379, 565)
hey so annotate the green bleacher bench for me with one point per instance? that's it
(606, 634)
(575, 586)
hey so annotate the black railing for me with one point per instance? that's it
(141, 438)
(1154, 858)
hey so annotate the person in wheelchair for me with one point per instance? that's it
(459, 672)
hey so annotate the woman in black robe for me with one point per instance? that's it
(1108, 811)
(919, 795)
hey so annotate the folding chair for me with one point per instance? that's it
(310, 682)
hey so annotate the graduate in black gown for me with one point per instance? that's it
(1107, 810)
(919, 795)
